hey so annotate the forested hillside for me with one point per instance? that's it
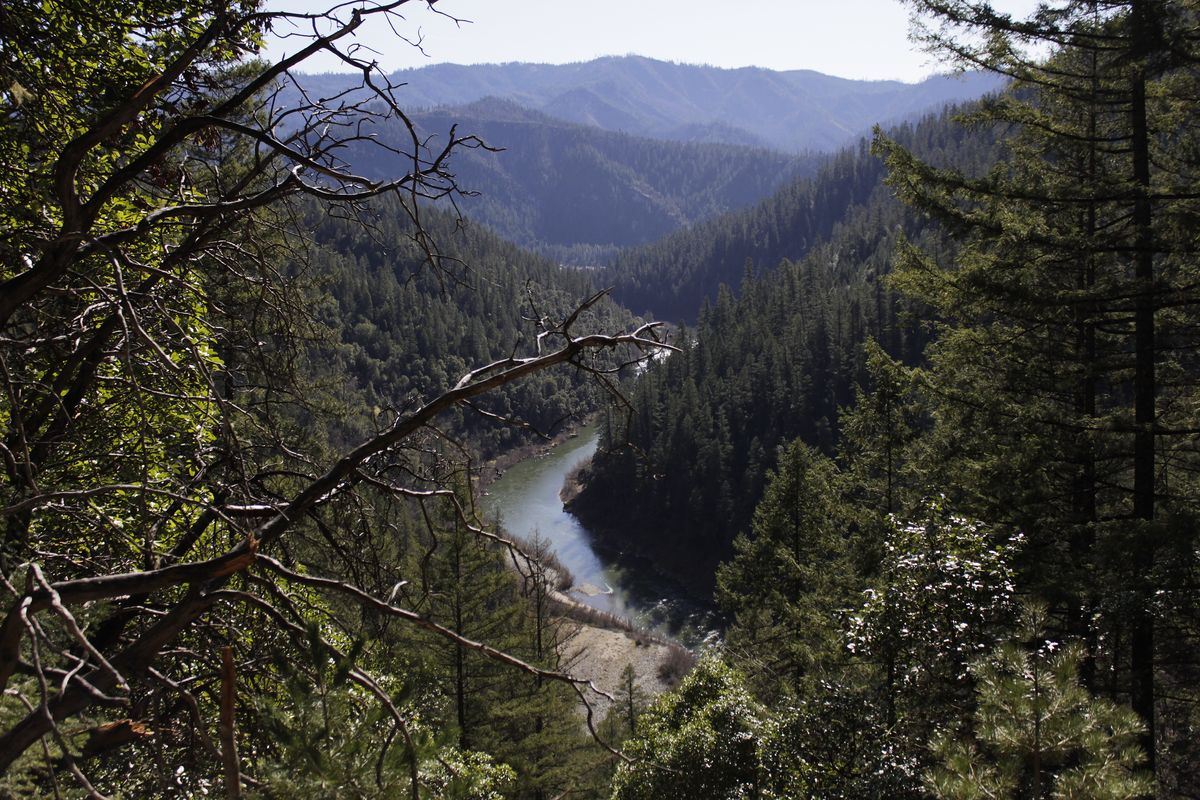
(676, 275)
(972, 572)
(400, 331)
(578, 193)
(776, 356)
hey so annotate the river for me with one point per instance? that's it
(526, 501)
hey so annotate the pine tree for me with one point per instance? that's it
(473, 593)
(631, 701)
(878, 435)
(876, 431)
(788, 577)
(1038, 733)
(533, 724)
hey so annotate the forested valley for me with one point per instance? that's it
(915, 419)
(394, 330)
(579, 194)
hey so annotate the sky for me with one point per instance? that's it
(862, 39)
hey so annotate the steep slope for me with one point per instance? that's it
(778, 361)
(673, 277)
(400, 330)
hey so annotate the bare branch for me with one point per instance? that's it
(419, 621)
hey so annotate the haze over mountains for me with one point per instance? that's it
(793, 111)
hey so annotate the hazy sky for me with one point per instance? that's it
(847, 38)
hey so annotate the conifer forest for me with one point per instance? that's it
(871, 411)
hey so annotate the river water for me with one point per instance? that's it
(526, 501)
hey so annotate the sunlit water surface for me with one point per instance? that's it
(526, 500)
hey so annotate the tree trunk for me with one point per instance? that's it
(1142, 641)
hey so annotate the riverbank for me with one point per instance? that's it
(599, 646)
(573, 484)
(601, 655)
(595, 603)
(493, 469)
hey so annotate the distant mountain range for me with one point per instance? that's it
(793, 111)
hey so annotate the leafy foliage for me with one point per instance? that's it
(701, 740)
(945, 594)
(1059, 378)
(207, 533)
(835, 743)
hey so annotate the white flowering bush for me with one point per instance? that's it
(945, 596)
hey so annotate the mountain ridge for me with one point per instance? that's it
(794, 111)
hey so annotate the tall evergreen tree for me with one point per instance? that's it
(472, 592)
(1069, 302)
(789, 577)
